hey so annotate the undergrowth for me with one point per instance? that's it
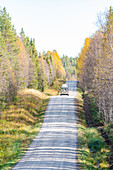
(92, 151)
(19, 124)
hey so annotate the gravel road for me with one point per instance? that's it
(56, 144)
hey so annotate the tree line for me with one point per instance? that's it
(69, 64)
(95, 67)
(20, 64)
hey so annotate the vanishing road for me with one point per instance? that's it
(56, 144)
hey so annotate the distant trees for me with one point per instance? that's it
(51, 66)
(69, 65)
(20, 65)
(95, 68)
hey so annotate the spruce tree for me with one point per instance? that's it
(8, 34)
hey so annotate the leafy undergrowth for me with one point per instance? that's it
(20, 123)
(92, 151)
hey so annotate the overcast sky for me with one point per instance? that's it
(56, 24)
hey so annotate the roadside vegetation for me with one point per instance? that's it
(95, 76)
(93, 152)
(20, 122)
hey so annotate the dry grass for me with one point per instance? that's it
(21, 121)
(35, 93)
(50, 92)
(19, 124)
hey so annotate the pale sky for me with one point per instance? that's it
(62, 25)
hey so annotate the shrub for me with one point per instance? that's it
(95, 145)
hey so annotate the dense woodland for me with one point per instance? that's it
(69, 65)
(20, 64)
(95, 67)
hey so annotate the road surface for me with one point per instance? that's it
(56, 144)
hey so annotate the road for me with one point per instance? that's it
(56, 144)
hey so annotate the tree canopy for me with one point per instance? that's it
(20, 64)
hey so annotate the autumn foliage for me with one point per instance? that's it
(95, 68)
(20, 64)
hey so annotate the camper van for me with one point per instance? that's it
(64, 90)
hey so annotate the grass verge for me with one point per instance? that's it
(92, 151)
(20, 123)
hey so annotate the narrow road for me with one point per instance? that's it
(56, 144)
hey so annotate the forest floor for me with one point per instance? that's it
(20, 122)
(105, 130)
(93, 152)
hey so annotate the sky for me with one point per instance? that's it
(60, 25)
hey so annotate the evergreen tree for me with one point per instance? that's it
(8, 34)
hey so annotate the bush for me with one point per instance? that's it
(95, 145)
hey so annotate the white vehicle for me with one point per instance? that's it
(64, 90)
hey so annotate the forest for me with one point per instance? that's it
(69, 64)
(95, 67)
(95, 78)
(20, 64)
